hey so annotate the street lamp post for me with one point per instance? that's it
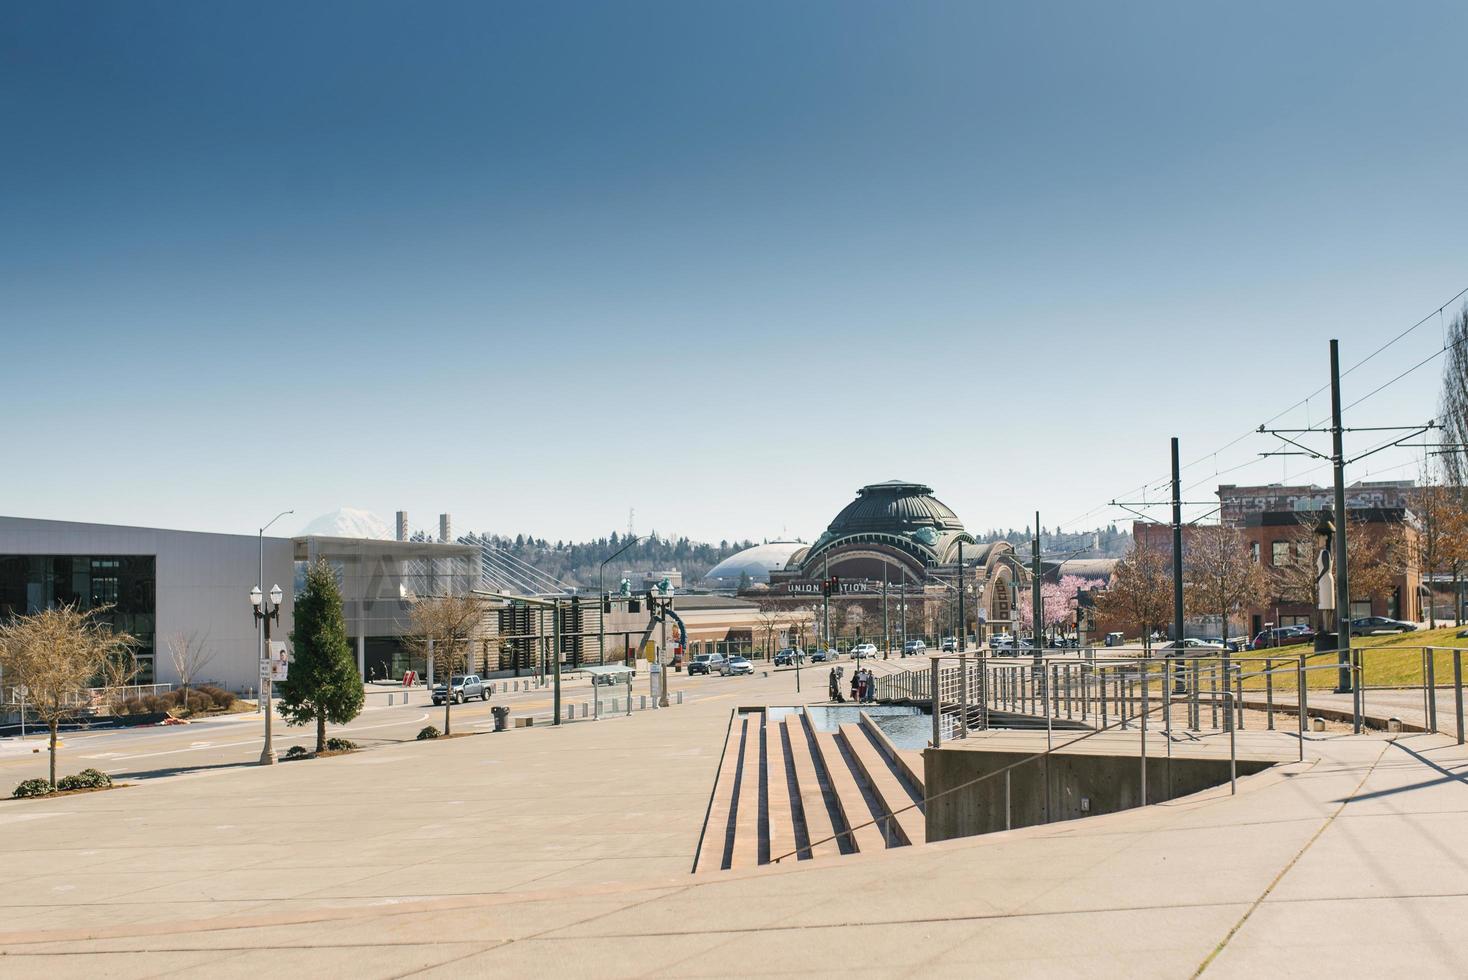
(260, 584)
(265, 614)
(601, 590)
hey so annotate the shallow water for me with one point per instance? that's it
(907, 727)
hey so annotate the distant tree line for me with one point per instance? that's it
(1103, 542)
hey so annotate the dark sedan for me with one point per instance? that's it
(1368, 625)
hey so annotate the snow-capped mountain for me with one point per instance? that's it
(350, 522)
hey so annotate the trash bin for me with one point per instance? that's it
(501, 717)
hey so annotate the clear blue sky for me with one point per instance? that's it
(539, 263)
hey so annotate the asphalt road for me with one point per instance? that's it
(228, 741)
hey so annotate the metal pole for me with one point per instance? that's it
(1036, 612)
(1458, 691)
(962, 696)
(1177, 569)
(1342, 577)
(1146, 706)
(662, 651)
(1269, 692)
(1300, 702)
(826, 600)
(962, 622)
(937, 703)
(1233, 749)
(556, 665)
(886, 630)
(1431, 691)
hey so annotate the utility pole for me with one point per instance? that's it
(826, 600)
(1036, 610)
(962, 623)
(902, 608)
(886, 632)
(1179, 685)
(1342, 583)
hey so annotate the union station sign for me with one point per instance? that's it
(844, 587)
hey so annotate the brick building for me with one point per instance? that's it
(1269, 517)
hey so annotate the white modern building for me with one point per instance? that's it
(161, 585)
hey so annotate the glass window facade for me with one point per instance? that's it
(127, 583)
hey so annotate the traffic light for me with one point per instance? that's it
(606, 606)
(826, 588)
(634, 605)
(835, 585)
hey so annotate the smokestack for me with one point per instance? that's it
(443, 528)
(402, 525)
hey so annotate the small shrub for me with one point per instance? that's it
(86, 779)
(296, 752)
(429, 732)
(152, 704)
(335, 744)
(33, 787)
(133, 706)
(216, 694)
(200, 702)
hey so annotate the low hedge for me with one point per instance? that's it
(33, 787)
(335, 744)
(429, 732)
(86, 779)
(297, 752)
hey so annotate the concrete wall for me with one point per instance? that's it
(1108, 782)
(203, 584)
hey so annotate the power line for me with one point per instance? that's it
(1162, 482)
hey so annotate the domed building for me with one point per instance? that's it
(752, 566)
(896, 538)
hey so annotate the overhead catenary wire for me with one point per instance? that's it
(1162, 483)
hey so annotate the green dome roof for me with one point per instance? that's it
(895, 507)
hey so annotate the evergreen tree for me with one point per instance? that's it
(322, 684)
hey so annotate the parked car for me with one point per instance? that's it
(1001, 641)
(1234, 644)
(949, 644)
(864, 650)
(1281, 636)
(1368, 625)
(789, 657)
(735, 666)
(461, 687)
(913, 648)
(824, 655)
(706, 663)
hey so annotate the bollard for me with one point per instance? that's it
(680, 697)
(1318, 724)
(1269, 693)
(614, 704)
(642, 702)
(1394, 725)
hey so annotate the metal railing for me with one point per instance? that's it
(1208, 692)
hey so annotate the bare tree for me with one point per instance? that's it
(1437, 540)
(58, 655)
(1369, 565)
(771, 620)
(190, 655)
(1141, 592)
(1453, 404)
(1222, 576)
(443, 630)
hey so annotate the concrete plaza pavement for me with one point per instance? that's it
(566, 851)
(391, 716)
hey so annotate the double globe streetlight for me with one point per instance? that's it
(265, 614)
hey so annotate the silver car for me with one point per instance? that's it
(461, 688)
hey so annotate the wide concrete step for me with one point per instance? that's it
(896, 801)
(856, 814)
(813, 793)
(718, 827)
(749, 798)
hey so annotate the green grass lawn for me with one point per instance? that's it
(1387, 661)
